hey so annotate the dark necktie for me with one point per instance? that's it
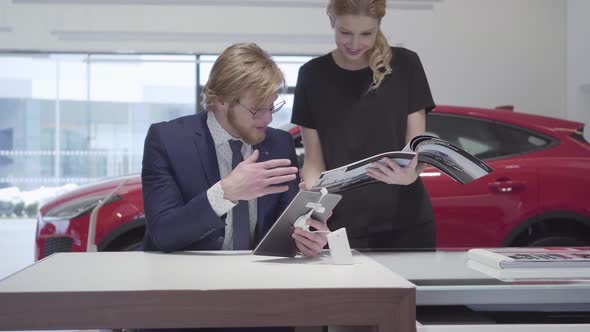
(241, 216)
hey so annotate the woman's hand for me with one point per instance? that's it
(388, 171)
(303, 186)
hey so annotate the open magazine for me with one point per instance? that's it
(450, 159)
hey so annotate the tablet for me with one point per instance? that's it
(278, 240)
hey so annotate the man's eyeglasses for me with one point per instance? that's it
(260, 113)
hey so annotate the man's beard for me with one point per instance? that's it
(248, 135)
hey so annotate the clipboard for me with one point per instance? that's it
(278, 240)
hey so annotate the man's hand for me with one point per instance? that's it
(310, 244)
(251, 180)
(388, 171)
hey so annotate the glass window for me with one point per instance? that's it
(71, 119)
(289, 65)
(205, 66)
(484, 139)
(128, 93)
(28, 100)
(76, 118)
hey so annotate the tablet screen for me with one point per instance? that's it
(278, 241)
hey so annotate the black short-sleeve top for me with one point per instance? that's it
(353, 124)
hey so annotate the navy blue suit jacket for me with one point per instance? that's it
(179, 166)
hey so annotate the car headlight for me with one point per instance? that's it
(78, 207)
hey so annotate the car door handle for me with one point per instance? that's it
(507, 186)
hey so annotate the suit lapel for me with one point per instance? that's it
(262, 202)
(206, 149)
(262, 150)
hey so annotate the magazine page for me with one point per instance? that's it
(532, 257)
(355, 174)
(416, 140)
(452, 160)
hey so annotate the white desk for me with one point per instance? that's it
(444, 278)
(455, 298)
(202, 289)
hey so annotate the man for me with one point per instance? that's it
(198, 193)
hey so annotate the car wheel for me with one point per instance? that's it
(130, 241)
(558, 241)
(135, 246)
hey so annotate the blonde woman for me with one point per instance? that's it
(361, 99)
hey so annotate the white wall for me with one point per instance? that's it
(491, 52)
(476, 52)
(578, 62)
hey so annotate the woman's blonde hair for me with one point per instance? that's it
(242, 67)
(380, 55)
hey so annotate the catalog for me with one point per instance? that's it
(447, 157)
(533, 275)
(508, 258)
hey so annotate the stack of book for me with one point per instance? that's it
(531, 263)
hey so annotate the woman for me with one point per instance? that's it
(361, 99)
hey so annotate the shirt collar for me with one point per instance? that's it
(219, 134)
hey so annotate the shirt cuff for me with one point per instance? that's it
(219, 204)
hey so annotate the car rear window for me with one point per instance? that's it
(485, 139)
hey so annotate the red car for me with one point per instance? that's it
(537, 195)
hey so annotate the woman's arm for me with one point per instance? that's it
(313, 163)
(416, 125)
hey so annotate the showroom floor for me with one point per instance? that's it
(17, 238)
